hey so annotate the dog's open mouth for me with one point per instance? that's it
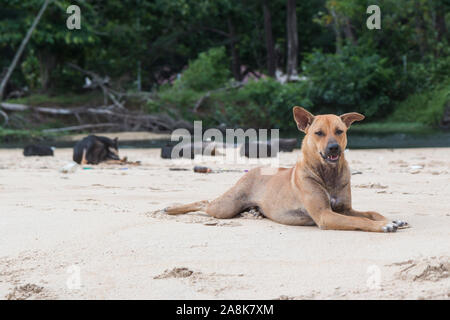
(331, 158)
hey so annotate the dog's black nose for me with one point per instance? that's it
(333, 148)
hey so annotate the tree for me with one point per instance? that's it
(292, 39)
(270, 46)
(21, 48)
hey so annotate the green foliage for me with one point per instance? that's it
(174, 101)
(391, 127)
(347, 67)
(30, 70)
(428, 73)
(425, 107)
(209, 71)
(261, 104)
(63, 100)
(12, 135)
(353, 80)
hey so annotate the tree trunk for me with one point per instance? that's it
(47, 63)
(420, 29)
(349, 32)
(21, 48)
(292, 40)
(270, 47)
(440, 21)
(337, 30)
(235, 63)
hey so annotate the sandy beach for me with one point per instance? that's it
(96, 233)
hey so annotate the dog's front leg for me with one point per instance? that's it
(318, 205)
(377, 217)
(335, 221)
(366, 214)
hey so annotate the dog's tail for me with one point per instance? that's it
(191, 207)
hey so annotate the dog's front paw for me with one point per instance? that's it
(401, 224)
(390, 227)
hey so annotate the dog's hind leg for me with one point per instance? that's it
(226, 206)
(191, 207)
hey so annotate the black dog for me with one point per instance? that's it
(37, 150)
(96, 149)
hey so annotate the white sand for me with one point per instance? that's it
(101, 222)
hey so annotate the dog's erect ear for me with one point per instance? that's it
(303, 118)
(349, 118)
(116, 140)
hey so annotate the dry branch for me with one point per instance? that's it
(5, 116)
(101, 83)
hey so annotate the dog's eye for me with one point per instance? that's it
(319, 133)
(339, 131)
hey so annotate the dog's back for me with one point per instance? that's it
(95, 149)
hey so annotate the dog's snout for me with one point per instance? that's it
(333, 148)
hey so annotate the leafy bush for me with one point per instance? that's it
(12, 136)
(426, 107)
(428, 73)
(353, 80)
(209, 71)
(30, 70)
(261, 104)
(175, 101)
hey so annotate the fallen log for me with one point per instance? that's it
(134, 120)
(82, 127)
(14, 106)
(50, 110)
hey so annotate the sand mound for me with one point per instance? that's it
(429, 269)
(24, 292)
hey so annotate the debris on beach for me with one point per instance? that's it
(371, 186)
(70, 167)
(123, 161)
(175, 273)
(200, 169)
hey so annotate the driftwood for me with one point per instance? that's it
(114, 117)
(81, 127)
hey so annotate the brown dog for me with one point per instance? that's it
(316, 191)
